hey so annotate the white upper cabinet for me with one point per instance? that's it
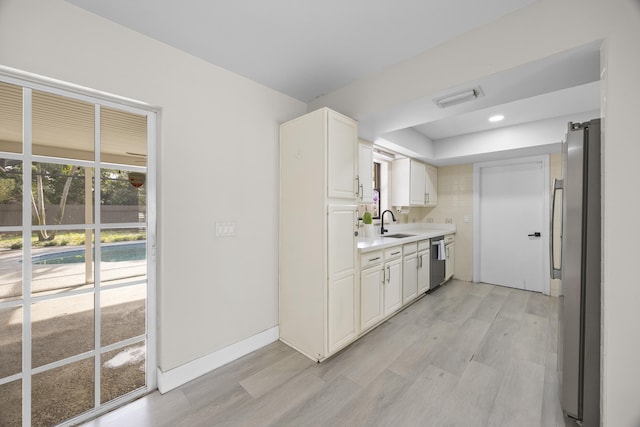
(416, 183)
(407, 183)
(365, 172)
(413, 183)
(342, 150)
(431, 185)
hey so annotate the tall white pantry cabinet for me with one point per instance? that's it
(318, 292)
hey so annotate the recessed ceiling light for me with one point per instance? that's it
(496, 118)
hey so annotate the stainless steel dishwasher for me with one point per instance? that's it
(437, 266)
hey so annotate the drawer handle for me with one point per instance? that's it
(395, 253)
(374, 259)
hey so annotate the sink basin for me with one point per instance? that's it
(398, 235)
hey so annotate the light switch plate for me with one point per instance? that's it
(225, 229)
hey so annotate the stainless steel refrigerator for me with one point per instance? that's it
(578, 266)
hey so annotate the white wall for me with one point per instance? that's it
(529, 34)
(218, 161)
(407, 142)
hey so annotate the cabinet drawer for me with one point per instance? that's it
(371, 258)
(409, 248)
(449, 239)
(391, 253)
(423, 245)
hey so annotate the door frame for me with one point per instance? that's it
(30, 82)
(477, 169)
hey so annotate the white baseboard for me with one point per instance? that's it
(189, 371)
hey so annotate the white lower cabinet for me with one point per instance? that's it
(371, 296)
(450, 261)
(390, 279)
(393, 280)
(342, 322)
(424, 260)
(409, 272)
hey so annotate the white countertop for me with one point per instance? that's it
(418, 231)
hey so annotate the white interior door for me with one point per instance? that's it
(512, 200)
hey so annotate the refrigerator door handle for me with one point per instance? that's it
(556, 273)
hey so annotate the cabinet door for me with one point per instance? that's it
(342, 254)
(342, 322)
(393, 286)
(365, 173)
(431, 185)
(450, 261)
(423, 272)
(341, 245)
(371, 296)
(342, 146)
(409, 278)
(417, 181)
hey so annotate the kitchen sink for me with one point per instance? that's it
(398, 235)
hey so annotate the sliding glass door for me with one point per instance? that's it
(77, 233)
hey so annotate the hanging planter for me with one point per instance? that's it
(137, 179)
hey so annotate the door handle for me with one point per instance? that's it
(536, 234)
(556, 273)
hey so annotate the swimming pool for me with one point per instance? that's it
(111, 253)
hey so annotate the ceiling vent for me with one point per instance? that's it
(459, 98)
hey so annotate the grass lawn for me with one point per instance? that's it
(70, 238)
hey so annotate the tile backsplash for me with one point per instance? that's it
(455, 206)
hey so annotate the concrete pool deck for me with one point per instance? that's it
(48, 278)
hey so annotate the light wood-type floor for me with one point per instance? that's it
(465, 355)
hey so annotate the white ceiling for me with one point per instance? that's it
(303, 48)
(308, 48)
(546, 106)
(555, 86)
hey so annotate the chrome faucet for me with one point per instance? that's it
(382, 229)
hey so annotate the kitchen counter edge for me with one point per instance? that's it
(381, 242)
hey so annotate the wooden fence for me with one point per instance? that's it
(11, 215)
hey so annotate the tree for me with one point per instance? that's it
(115, 189)
(52, 185)
(10, 181)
